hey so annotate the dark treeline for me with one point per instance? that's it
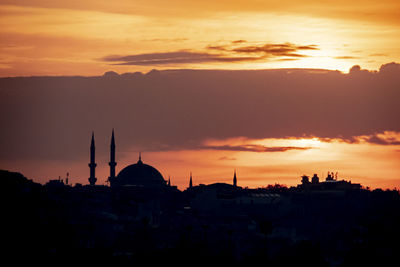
(57, 224)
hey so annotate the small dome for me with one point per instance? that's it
(139, 174)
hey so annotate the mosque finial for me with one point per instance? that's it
(140, 157)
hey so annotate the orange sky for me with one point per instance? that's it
(372, 165)
(88, 38)
(72, 37)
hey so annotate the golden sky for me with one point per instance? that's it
(74, 37)
(371, 165)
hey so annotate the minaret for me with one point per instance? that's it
(92, 165)
(190, 181)
(234, 179)
(112, 162)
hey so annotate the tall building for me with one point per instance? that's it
(112, 162)
(190, 181)
(92, 165)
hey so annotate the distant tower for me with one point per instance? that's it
(112, 162)
(92, 165)
(169, 181)
(234, 179)
(190, 181)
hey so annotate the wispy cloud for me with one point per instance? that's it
(255, 148)
(264, 50)
(384, 138)
(381, 138)
(178, 57)
(346, 57)
(276, 50)
(226, 158)
(378, 55)
(239, 41)
(232, 52)
(245, 147)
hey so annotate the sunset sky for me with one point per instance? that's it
(269, 92)
(89, 37)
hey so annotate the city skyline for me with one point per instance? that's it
(141, 174)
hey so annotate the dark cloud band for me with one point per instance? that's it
(52, 117)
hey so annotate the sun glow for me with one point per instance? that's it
(87, 35)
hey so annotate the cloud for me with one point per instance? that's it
(382, 138)
(239, 41)
(385, 138)
(266, 50)
(390, 69)
(281, 50)
(218, 47)
(378, 55)
(374, 139)
(178, 57)
(221, 53)
(52, 117)
(346, 57)
(226, 158)
(254, 148)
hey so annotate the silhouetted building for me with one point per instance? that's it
(331, 183)
(139, 174)
(125, 224)
(315, 179)
(92, 165)
(112, 162)
(234, 179)
(305, 180)
(56, 182)
(330, 177)
(190, 181)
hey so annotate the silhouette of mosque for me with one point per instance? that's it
(141, 219)
(138, 174)
(134, 175)
(141, 175)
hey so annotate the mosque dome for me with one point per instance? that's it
(139, 174)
